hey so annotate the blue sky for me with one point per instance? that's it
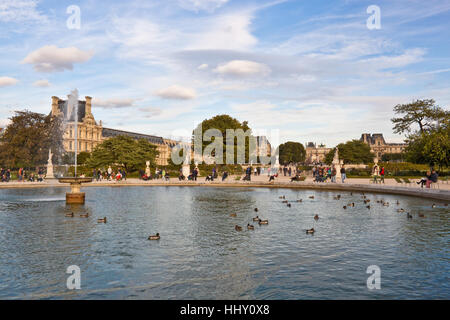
(310, 69)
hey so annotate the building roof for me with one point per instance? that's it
(62, 106)
(108, 133)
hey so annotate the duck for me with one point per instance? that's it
(433, 205)
(351, 193)
(101, 220)
(345, 207)
(154, 237)
(408, 215)
(237, 228)
(69, 215)
(256, 218)
(282, 197)
(263, 221)
(401, 210)
(311, 197)
(256, 209)
(421, 215)
(233, 215)
(316, 217)
(250, 226)
(397, 202)
(368, 207)
(299, 200)
(84, 215)
(386, 204)
(289, 205)
(353, 204)
(310, 231)
(284, 201)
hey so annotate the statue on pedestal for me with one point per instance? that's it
(147, 168)
(337, 163)
(50, 174)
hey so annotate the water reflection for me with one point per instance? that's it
(201, 256)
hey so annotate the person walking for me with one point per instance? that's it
(382, 174)
(343, 175)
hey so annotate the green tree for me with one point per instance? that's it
(431, 147)
(83, 157)
(124, 151)
(291, 152)
(423, 113)
(222, 123)
(28, 138)
(354, 151)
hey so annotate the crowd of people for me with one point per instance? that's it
(109, 174)
(322, 173)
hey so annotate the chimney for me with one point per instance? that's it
(55, 110)
(88, 105)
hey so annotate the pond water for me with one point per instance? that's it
(201, 256)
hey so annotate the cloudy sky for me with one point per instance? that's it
(311, 69)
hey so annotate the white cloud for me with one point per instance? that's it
(205, 5)
(42, 83)
(176, 92)
(51, 58)
(202, 66)
(112, 103)
(243, 68)
(7, 81)
(20, 11)
(151, 112)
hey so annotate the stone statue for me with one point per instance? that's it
(147, 168)
(337, 164)
(50, 174)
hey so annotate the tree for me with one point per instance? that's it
(28, 138)
(430, 143)
(124, 151)
(83, 157)
(291, 152)
(222, 123)
(431, 147)
(354, 151)
(423, 113)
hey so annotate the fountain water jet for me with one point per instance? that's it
(75, 195)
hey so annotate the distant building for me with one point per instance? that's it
(92, 133)
(315, 154)
(379, 146)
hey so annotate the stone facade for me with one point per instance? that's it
(379, 146)
(92, 133)
(315, 154)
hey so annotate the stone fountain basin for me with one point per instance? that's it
(74, 180)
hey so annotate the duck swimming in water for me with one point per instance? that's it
(263, 221)
(154, 237)
(256, 209)
(233, 215)
(101, 220)
(289, 205)
(84, 215)
(401, 210)
(433, 205)
(237, 228)
(256, 218)
(299, 200)
(310, 231)
(421, 215)
(368, 207)
(316, 217)
(311, 197)
(408, 215)
(69, 215)
(250, 226)
(345, 207)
